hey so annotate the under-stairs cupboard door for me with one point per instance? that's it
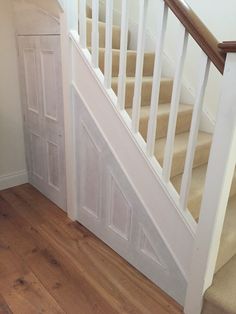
(41, 83)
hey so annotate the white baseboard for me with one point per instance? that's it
(13, 179)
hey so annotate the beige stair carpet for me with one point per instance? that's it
(221, 297)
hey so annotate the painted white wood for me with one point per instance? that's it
(82, 23)
(168, 156)
(143, 6)
(220, 171)
(40, 68)
(72, 11)
(32, 20)
(95, 33)
(159, 201)
(71, 193)
(108, 45)
(196, 118)
(152, 124)
(13, 179)
(112, 209)
(123, 53)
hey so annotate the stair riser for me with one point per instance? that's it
(102, 35)
(183, 124)
(165, 92)
(88, 12)
(201, 157)
(194, 203)
(131, 63)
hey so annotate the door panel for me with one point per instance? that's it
(40, 70)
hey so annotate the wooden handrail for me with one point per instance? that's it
(198, 30)
(227, 46)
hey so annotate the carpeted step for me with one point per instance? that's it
(165, 90)
(197, 187)
(228, 237)
(180, 148)
(131, 62)
(220, 298)
(102, 34)
(88, 12)
(183, 121)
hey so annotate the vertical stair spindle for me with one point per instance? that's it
(108, 45)
(83, 23)
(152, 124)
(123, 53)
(143, 6)
(95, 33)
(187, 175)
(169, 148)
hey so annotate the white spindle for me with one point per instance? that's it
(123, 53)
(95, 33)
(143, 5)
(221, 167)
(187, 175)
(83, 23)
(169, 148)
(72, 14)
(108, 48)
(152, 125)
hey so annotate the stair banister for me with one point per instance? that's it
(95, 33)
(82, 23)
(222, 158)
(219, 176)
(143, 6)
(204, 68)
(71, 8)
(108, 46)
(152, 124)
(175, 100)
(197, 29)
(123, 54)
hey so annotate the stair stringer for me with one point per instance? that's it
(164, 224)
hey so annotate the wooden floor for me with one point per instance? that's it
(49, 264)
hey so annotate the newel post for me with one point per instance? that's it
(69, 21)
(219, 176)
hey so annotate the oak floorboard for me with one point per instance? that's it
(20, 289)
(4, 308)
(80, 272)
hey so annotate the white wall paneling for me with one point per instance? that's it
(109, 207)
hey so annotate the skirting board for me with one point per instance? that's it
(13, 179)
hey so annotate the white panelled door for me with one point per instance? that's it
(41, 82)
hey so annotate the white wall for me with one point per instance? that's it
(220, 20)
(12, 155)
(51, 6)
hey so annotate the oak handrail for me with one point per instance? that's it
(227, 46)
(198, 30)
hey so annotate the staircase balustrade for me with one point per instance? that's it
(222, 159)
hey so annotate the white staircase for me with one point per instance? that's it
(142, 174)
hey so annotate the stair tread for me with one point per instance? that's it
(197, 187)
(228, 238)
(145, 79)
(163, 109)
(181, 142)
(103, 24)
(129, 51)
(220, 297)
